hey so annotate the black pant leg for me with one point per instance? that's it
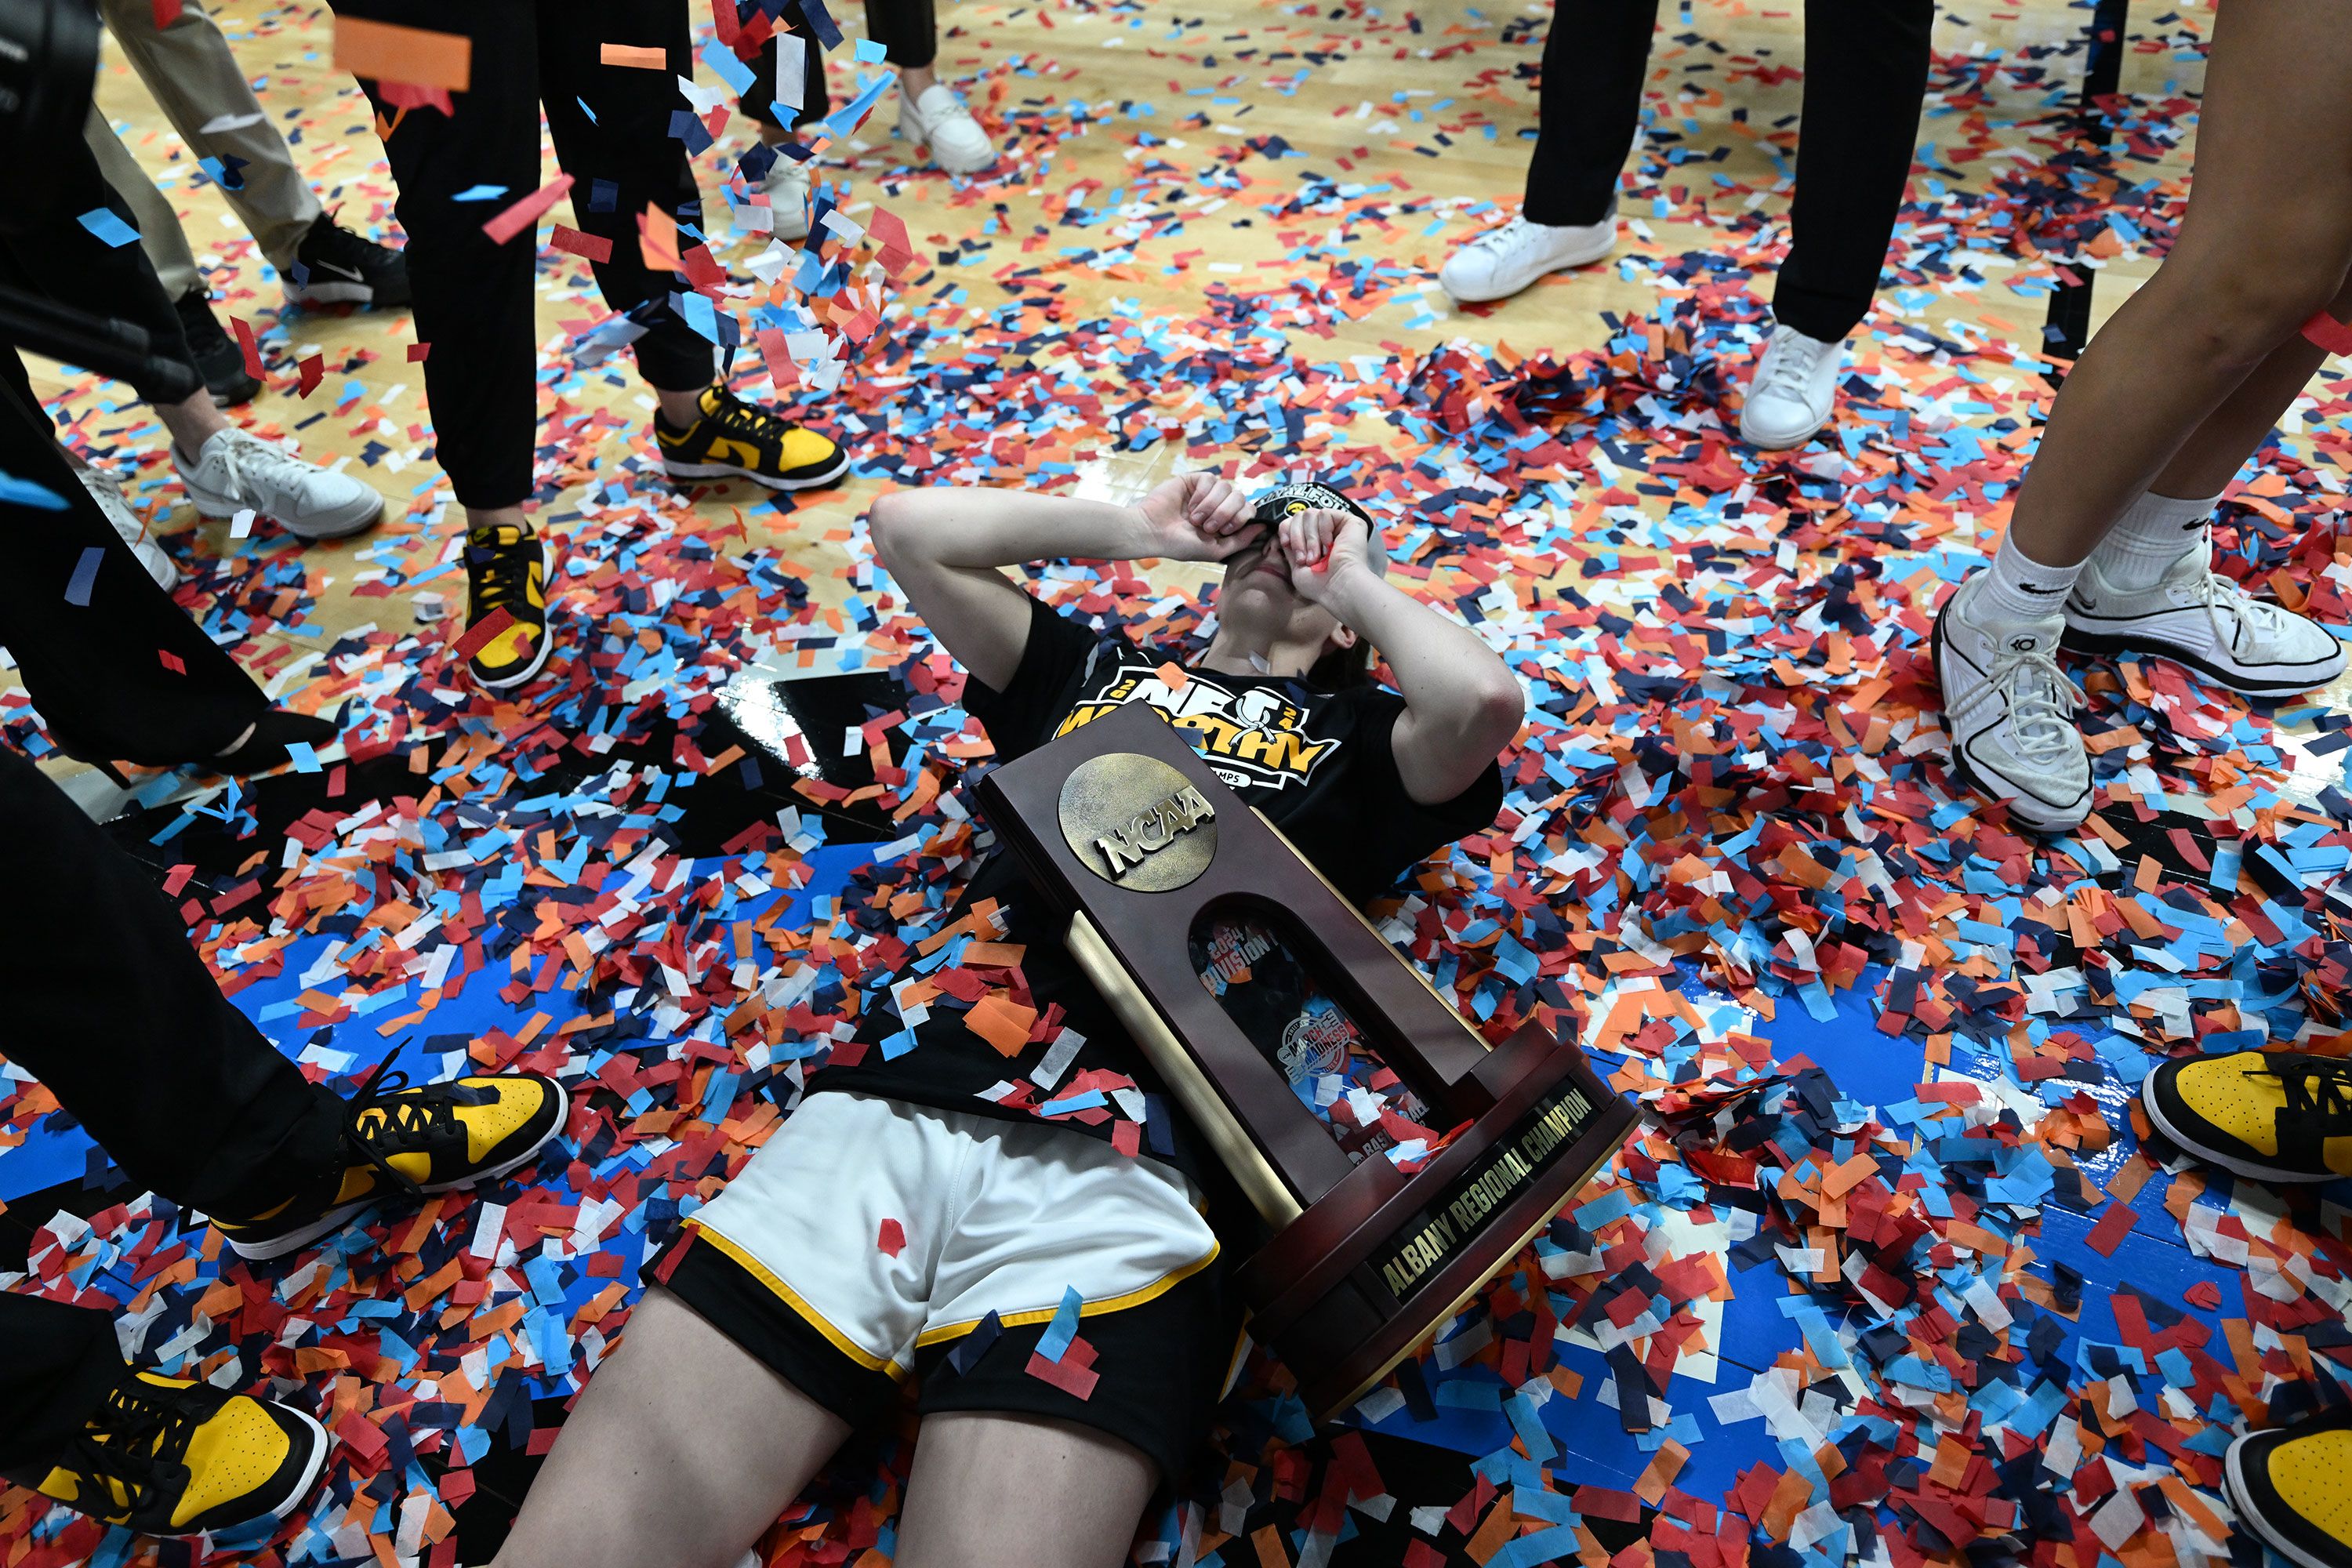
(629, 143)
(906, 28)
(60, 259)
(761, 96)
(98, 671)
(1595, 59)
(111, 1009)
(1865, 80)
(474, 297)
(57, 1362)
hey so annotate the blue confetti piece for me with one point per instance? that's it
(104, 223)
(726, 66)
(871, 53)
(1064, 1328)
(489, 193)
(15, 491)
(826, 31)
(85, 574)
(305, 759)
(585, 109)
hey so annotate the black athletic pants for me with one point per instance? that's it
(111, 1008)
(1865, 80)
(474, 302)
(125, 672)
(906, 29)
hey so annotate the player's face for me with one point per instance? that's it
(1257, 601)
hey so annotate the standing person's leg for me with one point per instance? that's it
(203, 91)
(160, 234)
(929, 111)
(703, 430)
(1588, 109)
(2266, 241)
(62, 1360)
(181, 1089)
(784, 180)
(1866, 82)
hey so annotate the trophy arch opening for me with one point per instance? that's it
(1248, 955)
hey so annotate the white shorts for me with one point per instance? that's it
(870, 1235)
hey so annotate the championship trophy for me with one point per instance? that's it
(1295, 1038)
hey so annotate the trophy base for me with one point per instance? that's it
(1343, 1296)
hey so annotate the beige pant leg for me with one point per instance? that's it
(189, 69)
(159, 234)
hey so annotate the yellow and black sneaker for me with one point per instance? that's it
(742, 440)
(2294, 1488)
(164, 1456)
(505, 569)
(2275, 1116)
(412, 1141)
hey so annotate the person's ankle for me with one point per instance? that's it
(679, 410)
(482, 519)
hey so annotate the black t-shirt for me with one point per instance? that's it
(1318, 763)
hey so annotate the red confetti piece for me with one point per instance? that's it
(893, 1238)
(247, 345)
(523, 213)
(2328, 334)
(2114, 1225)
(593, 246)
(167, 13)
(1073, 1374)
(481, 632)
(313, 370)
(171, 661)
(416, 352)
(2205, 1294)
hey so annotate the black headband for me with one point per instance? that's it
(1283, 501)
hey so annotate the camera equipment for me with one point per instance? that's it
(48, 57)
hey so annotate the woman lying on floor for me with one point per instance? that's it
(777, 1323)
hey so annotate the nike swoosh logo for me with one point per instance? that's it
(350, 272)
(2031, 589)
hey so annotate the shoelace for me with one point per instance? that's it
(250, 460)
(1497, 240)
(503, 576)
(381, 1125)
(125, 1446)
(2041, 702)
(735, 415)
(1791, 360)
(2321, 1088)
(2218, 596)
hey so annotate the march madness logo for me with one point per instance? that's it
(1253, 737)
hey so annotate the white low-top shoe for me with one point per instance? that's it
(238, 469)
(1500, 262)
(2196, 616)
(941, 122)
(786, 187)
(1789, 395)
(107, 491)
(2010, 712)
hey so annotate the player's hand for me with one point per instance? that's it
(1323, 548)
(1194, 516)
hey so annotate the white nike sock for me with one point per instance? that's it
(2153, 534)
(2019, 590)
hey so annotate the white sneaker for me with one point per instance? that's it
(2198, 617)
(1500, 262)
(2010, 712)
(238, 469)
(1789, 396)
(940, 120)
(787, 189)
(107, 491)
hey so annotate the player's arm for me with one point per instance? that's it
(1461, 703)
(946, 548)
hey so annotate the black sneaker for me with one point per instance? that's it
(416, 1141)
(332, 266)
(2275, 1116)
(218, 359)
(742, 440)
(2292, 1488)
(165, 1456)
(505, 569)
